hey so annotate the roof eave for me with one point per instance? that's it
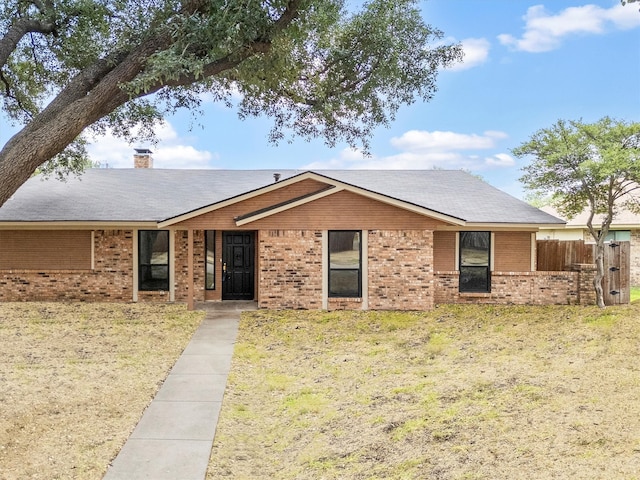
(76, 225)
(613, 226)
(497, 226)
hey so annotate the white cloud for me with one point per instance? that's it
(496, 134)
(476, 52)
(182, 156)
(172, 151)
(624, 17)
(426, 150)
(544, 31)
(421, 140)
(500, 160)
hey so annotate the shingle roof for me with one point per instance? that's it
(624, 217)
(142, 195)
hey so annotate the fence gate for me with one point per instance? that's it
(617, 275)
(559, 255)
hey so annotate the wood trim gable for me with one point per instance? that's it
(274, 209)
(391, 201)
(239, 198)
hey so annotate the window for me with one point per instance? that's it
(475, 249)
(345, 264)
(210, 259)
(153, 260)
(618, 236)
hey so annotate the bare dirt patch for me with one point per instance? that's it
(75, 379)
(462, 392)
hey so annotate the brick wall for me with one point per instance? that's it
(182, 265)
(400, 264)
(586, 291)
(344, 304)
(400, 272)
(111, 280)
(290, 269)
(400, 267)
(523, 288)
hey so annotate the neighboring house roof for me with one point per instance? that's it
(623, 219)
(156, 195)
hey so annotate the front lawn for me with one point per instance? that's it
(75, 379)
(462, 392)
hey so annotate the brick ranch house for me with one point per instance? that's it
(404, 240)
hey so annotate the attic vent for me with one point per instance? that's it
(276, 177)
(142, 158)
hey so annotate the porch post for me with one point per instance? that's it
(190, 269)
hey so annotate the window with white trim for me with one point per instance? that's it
(210, 259)
(475, 257)
(345, 263)
(153, 260)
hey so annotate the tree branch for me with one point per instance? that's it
(289, 15)
(259, 45)
(9, 94)
(17, 30)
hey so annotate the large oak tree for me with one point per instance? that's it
(315, 68)
(586, 167)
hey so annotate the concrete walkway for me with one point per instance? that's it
(174, 437)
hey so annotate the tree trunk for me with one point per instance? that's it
(95, 92)
(27, 150)
(92, 94)
(31, 147)
(597, 280)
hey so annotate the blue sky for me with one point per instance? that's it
(527, 64)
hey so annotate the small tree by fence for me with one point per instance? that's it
(561, 255)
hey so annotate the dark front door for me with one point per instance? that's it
(238, 255)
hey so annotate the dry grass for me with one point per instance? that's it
(75, 378)
(462, 392)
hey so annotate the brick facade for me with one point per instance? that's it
(586, 275)
(400, 272)
(523, 288)
(111, 279)
(182, 266)
(400, 264)
(290, 269)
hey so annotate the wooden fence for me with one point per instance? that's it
(560, 255)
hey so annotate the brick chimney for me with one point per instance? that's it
(142, 158)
